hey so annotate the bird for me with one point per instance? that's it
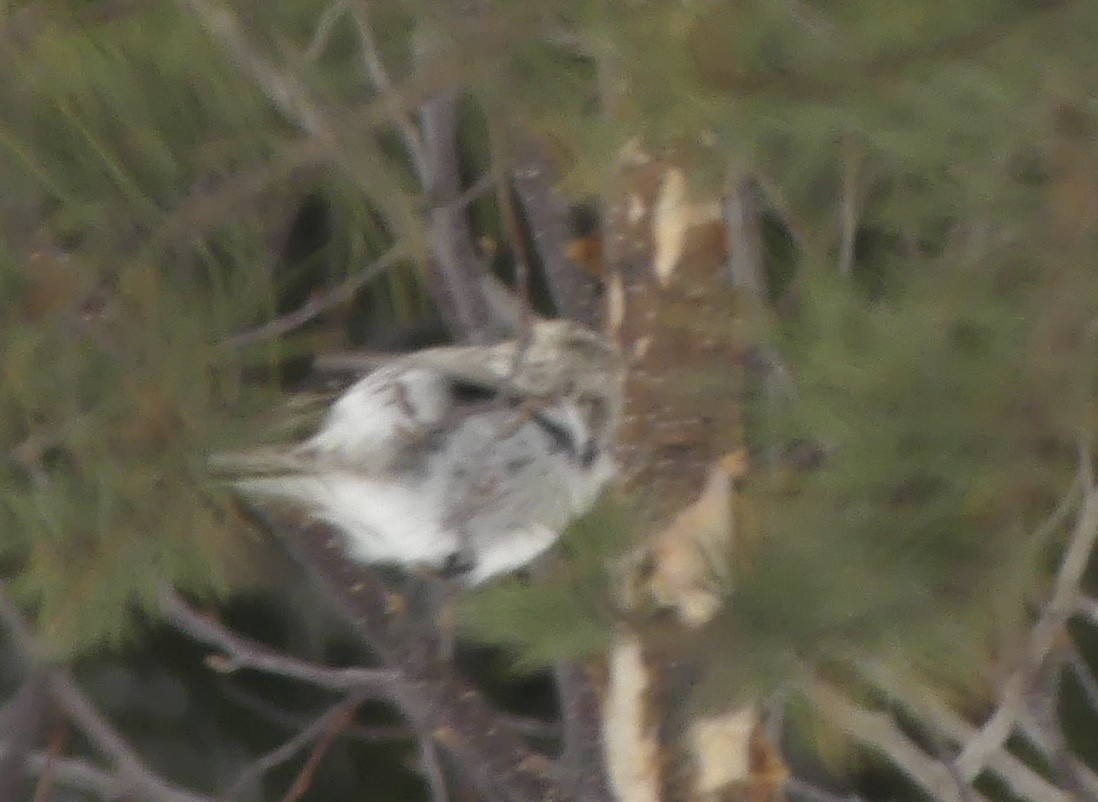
(467, 460)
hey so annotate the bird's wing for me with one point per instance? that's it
(506, 480)
(489, 367)
(369, 429)
(381, 415)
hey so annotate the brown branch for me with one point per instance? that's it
(454, 278)
(332, 730)
(133, 775)
(240, 652)
(581, 717)
(546, 212)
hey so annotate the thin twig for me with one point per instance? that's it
(546, 212)
(1060, 607)
(878, 732)
(324, 27)
(241, 652)
(1041, 725)
(849, 202)
(276, 757)
(379, 75)
(317, 304)
(305, 777)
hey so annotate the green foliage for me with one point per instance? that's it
(158, 171)
(917, 537)
(154, 177)
(569, 611)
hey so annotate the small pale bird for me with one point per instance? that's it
(467, 459)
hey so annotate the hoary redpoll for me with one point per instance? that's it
(469, 459)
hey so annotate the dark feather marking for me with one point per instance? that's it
(467, 393)
(560, 437)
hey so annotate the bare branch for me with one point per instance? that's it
(133, 775)
(878, 732)
(241, 652)
(58, 740)
(78, 774)
(943, 722)
(1041, 725)
(573, 291)
(430, 695)
(283, 90)
(1062, 604)
(316, 305)
(432, 768)
(323, 32)
(779, 203)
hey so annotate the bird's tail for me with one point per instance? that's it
(258, 462)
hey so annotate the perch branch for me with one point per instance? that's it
(240, 652)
